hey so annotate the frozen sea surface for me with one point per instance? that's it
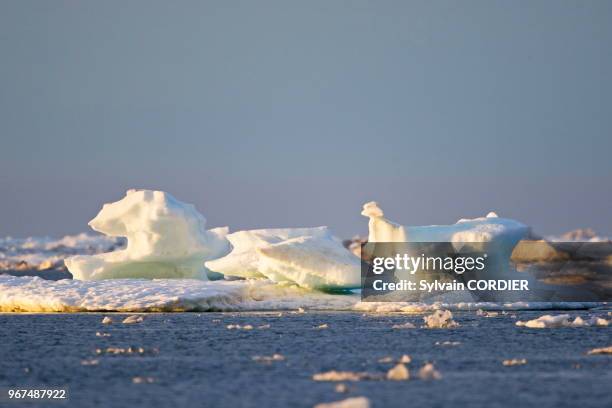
(194, 360)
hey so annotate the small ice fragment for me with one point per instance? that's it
(264, 326)
(90, 362)
(239, 327)
(546, 321)
(405, 359)
(322, 326)
(133, 319)
(124, 351)
(343, 376)
(440, 319)
(387, 359)
(398, 373)
(269, 359)
(355, 402)
(107, 320)
(558, 321)
(484, 313)
(600, 350)
(406, 325)
(143, 380)
(447, 343)
(429, 372)
(341, 388)
(100, 334)
(514, 362)
(598, 321)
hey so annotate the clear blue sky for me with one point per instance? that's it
(287, 113)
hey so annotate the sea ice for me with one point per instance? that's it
(552, 322)
(492, 235)
(166, 239)
(269, 359)
(33, 294)
(309, 257)
(132, 319)
(345, 376)
(398, 373)
(600, 350)
(514, 362)
(429, 372)
(406, 325)
(440, 319)
(355, 402)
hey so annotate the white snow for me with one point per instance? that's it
(166, 239)
(310, 257)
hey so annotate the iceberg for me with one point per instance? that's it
(309, 257)
(490, 232)
(165, 239)
(494, 236)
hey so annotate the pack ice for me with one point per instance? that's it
(309, 257)
(165, 239)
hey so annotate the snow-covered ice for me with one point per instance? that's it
(33, 294)
(310, 257)
(166, 239)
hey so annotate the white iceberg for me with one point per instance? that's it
(491, 231)
(494, 236)
(166, 239)
(309, 257)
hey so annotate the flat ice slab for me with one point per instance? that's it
(32, 294)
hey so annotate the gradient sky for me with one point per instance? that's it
(286, 113)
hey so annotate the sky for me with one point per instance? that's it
(295, 113)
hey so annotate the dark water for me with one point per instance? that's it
(201, 363)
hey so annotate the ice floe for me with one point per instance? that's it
(354, 402)
(514, 362)
(429, 372)
(310, 257)
(133, 319)
(165, 239)
(346, 376)
(33, 294)
(398, 373)
(600, 350)
(269, 359)
(552, 322)
(440, 319)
